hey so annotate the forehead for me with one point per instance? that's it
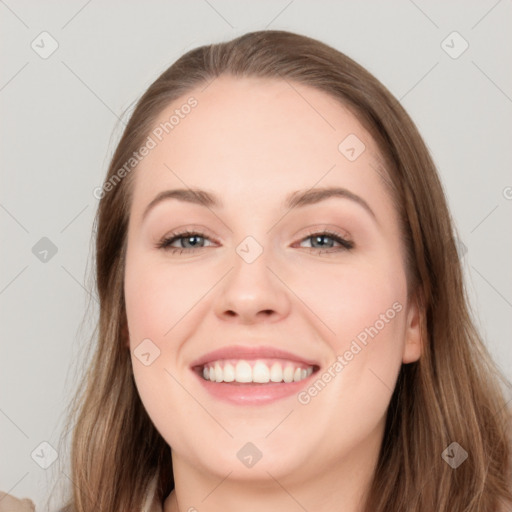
(248, 138)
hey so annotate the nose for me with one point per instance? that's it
(252, 292)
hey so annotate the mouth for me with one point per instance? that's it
(260, 371)
(253, 375)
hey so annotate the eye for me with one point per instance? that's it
(187, 241)
(326, 240)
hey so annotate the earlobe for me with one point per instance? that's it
(413, 345)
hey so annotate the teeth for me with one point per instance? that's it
(260, 372)
(288, 374)
(276, 373)
(243, 372)
(229, 372)
(218, 373)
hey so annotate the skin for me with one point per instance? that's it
(253, 142)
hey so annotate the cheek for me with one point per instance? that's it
(364, 308)
(168, 405)
(158, 296)
(347, 299)
(164, 304)
(356, 384)
(157, 299)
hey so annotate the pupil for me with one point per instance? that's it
(191, 238)
(318, 238)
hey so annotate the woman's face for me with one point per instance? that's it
(259, 279)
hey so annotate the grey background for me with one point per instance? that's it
(62, 116)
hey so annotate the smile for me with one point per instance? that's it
(260, 371)
(253, 374)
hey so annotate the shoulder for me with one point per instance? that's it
(9, 503)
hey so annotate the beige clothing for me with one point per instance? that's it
(9, 503)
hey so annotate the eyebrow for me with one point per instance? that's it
(296, 199)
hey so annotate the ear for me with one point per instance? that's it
(413, 346)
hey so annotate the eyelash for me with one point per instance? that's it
(337, 237)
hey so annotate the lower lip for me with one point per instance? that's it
(253, 394)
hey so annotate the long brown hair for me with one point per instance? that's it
(452, 394)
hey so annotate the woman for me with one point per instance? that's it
(283, 323)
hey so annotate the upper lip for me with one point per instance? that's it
(250, 352)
